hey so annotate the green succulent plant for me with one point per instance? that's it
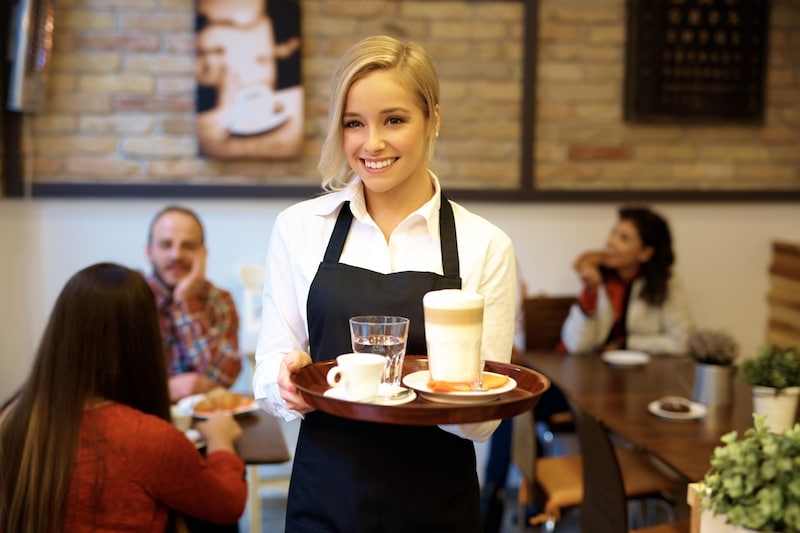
(773, 367)
(755, 481)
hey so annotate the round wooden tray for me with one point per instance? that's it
(311, 380)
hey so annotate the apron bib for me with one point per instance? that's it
(350, 476)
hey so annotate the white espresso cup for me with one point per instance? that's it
(453, 330)
(358, 373)
(181, 417)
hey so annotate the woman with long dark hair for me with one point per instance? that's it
(630, 297)
(87, 445)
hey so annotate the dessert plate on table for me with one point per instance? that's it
(626, 358)
(419, 382)
(696, 410)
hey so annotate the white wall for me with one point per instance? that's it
(723, 253)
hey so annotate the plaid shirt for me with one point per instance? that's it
(201, 334)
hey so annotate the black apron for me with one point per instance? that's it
(364, 477)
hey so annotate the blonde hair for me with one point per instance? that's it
(369, 55)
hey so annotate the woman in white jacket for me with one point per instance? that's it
(630, 298)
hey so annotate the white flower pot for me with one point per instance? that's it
(780, 409)
(711, 523)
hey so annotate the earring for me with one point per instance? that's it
(437, 134)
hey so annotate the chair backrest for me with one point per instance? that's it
(252, 279)
(544, 316)
(523, 446)
(605, 507)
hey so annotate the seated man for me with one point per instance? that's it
(199, 322)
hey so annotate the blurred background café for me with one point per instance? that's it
(554, 114)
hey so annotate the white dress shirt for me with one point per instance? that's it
(298, 243)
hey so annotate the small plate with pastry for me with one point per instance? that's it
(460, 393)
(218, 399)
(677, 408)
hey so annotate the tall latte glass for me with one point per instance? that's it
(453, 329)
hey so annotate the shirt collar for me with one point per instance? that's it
(354, 193)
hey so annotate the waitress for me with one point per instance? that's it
(382, 236)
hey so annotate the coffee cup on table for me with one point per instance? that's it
(358, 373)
(181, 417)
(453, 331)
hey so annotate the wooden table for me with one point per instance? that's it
(262, 439)
(619, 397)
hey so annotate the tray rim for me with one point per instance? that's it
(422, 411)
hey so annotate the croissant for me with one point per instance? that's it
(220, 399)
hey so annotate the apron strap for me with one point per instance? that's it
(340, 231)
(448, 239)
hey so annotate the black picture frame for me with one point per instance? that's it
(695, 61)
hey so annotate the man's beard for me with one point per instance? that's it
(160, 278)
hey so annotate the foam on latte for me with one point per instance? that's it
(453, 329)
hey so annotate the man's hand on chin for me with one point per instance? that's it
(195, 280)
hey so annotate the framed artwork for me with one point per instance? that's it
(696, 61)
(249, 91)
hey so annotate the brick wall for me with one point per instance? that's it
(121, 98)
(582, 141)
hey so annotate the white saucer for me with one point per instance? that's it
(626, 358)
(338, 394)
(419, 382)
(696, 410)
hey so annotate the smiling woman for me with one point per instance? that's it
(383, 237)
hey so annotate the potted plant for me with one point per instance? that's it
(714, 353)
(754, 483)
(774, 376)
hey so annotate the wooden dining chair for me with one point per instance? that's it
(611, 477)
(543, 317)
(261, 478)
(555, 484)
(552, 484)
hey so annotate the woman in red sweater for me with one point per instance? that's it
(87, 443)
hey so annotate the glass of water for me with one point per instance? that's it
(384, 335)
